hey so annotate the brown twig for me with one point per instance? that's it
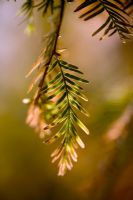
(53, 52)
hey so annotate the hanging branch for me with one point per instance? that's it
(58, 92)
(62, 91)
(66, 93)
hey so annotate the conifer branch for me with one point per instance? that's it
(118, 19)
(63, 93)
(58, 92)
(66, 94)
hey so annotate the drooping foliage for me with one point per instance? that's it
(56, 102)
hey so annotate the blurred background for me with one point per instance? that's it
(104, 170)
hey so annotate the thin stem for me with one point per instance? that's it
(62, 5)
(64, 83)
(70, 110)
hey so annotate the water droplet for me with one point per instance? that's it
(124, 42)
(26, 101)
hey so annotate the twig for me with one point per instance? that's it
(53, 52)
